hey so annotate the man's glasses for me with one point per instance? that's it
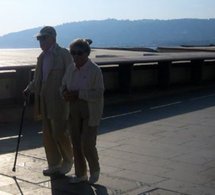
(42, 38)
(77, 53)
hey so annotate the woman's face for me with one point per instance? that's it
(79, 55)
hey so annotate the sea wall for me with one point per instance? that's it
(126, 75)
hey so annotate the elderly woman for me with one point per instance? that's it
(83, 87)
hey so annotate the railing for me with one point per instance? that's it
(126, 73)
(163, 64)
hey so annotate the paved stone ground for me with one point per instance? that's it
(157, 146)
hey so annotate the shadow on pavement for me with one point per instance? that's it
(18, 186)
(61, 186)
(143, 111)
(31, 136)
(116, 117)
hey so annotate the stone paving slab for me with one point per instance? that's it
(158, 191)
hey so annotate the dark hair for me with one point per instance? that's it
(82, 44)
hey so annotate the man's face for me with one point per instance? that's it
(45, 42)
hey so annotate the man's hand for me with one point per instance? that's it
(26, 93)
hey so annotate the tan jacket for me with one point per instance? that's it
(48, 93)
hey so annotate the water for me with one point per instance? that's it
(17, 57)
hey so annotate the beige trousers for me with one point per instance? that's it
(56, 142)
(83, 139)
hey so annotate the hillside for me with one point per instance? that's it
(124, 33)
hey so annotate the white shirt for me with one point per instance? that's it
(79, 78)
(47, 63)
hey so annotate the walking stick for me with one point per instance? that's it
(19, 136)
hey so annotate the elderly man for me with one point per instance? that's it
(49, 105)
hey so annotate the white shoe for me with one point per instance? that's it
(78, 179)
(65, 168)
(52, 170)
(94, 177)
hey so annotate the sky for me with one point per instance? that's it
(17, 15)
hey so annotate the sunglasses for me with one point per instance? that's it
(42, 38)
(77, 53)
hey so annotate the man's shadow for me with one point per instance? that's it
(61, 186)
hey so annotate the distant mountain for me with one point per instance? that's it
(123, 33)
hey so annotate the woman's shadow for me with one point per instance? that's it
(61, 186)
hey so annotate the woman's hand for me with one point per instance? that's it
(70, 95)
